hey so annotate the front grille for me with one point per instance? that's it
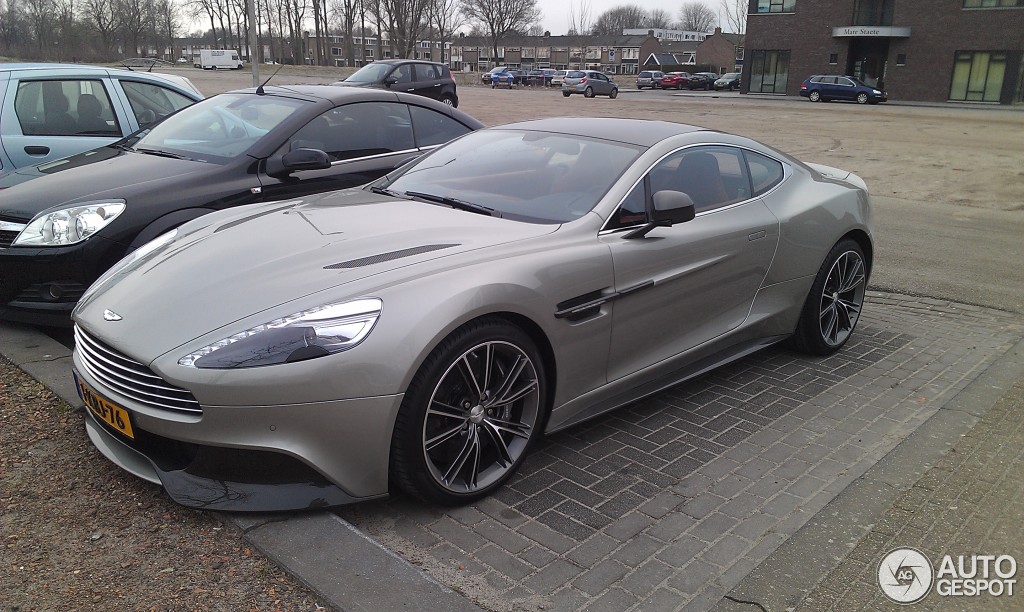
(6, 238)
(131, 378)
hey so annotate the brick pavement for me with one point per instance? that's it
(669, 503)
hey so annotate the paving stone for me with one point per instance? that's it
(552, 576)
(599, 577)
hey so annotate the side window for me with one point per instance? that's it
(765, 172)
(711, 176)
(150, 102)
(432, 128)
(844, 82)
(632, 211)
(426, 72)
(65, 108)
(358, 130)
(403, 73)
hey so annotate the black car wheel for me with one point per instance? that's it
(470, 414)
(814, 96)
(862, 98)
(450, 101)
(589, 92)
(835, 301)
(614, 93)
(565, 94)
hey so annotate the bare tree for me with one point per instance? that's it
(499, 18)
(345, 12)
(445, 18)
(697, 17)
(733, 16)
(659, 18)
(405, 23)
(615, 20)
(579, 29)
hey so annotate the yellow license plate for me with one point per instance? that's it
(105, 410)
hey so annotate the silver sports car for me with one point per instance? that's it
(422, 332)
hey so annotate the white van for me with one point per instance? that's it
(212, 59)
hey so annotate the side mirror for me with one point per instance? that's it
(280, 166)
(388, 82)
(670, 207)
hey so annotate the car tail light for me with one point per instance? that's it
(583, 80)
(803, 86)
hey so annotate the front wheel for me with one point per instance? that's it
(862, 98)
(614, 93)
(834, 304)
(814, 96)
(589, 93)
(470, 414)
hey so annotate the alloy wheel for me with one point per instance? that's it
(842, 298)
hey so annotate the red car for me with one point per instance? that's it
(675, 80)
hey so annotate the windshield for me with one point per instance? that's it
(538, 177)
(370, 73)
(220, 128)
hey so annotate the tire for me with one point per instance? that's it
(614, 93)
(862, 98)
(449, 101)
(470, 415)
(565, 94)
(834, 303)
(814, 96)
(589, 92)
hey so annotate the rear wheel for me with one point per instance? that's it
(814, 96)
(614, 93)
(470, 414)
(589, 93)
(834, 303)
(565, 94)
(450, 101)
(862, 98)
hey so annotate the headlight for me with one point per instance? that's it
(304, 335)
(876, 92)
(69, 225)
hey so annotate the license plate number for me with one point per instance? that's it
(105, 410)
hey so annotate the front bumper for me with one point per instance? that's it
(253, 458)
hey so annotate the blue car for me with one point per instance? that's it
(50, 111)
(825, 88)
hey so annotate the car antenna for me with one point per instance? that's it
(259, 90)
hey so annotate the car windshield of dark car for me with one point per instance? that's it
(370, 73)
(218, 129)
(538, 177)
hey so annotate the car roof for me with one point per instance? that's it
(338, 94)
(404, 61)
(632, 131)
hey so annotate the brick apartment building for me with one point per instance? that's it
(925, 50)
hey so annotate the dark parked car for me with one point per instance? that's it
(675, 80)
(649, 78)
(409, 76)
(825, 88)
(590, 83)
(706, 80)
(60, 231)
(539, 78)
(729, 80)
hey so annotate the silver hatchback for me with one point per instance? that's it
(590, 83)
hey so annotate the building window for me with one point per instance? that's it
(367, 52)
(873, 12)
(993, 3)
(901, 59)
(833, 58)
(335, 50)
(769, 71)
(978, 76)
(776, 6)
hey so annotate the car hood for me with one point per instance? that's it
(106, 172)
(276, 257)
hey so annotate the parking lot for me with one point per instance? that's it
(672, 502)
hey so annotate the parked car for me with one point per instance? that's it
(410, 76)
(675, 80)
(420, 333)
(558, 77)
(825, 88)
(51, 111)
(506, 78)
(706, 80)
(60, 231)
(485, 78)
(649, 78)
(729, 80)
(590, 83)
(539, 78)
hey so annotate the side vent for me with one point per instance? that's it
(391, 256)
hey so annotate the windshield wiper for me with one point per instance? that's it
(455, 203)
(160, 153)
(383, 191)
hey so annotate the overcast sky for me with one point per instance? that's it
(556, 12)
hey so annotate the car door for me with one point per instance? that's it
(426, 81)
(47, 118)
(845, 89)
(364, 141)
(690, 283)
(402, 78)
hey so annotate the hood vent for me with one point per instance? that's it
(391, 256)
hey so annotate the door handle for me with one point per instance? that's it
(757, 235)
(37, 150)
